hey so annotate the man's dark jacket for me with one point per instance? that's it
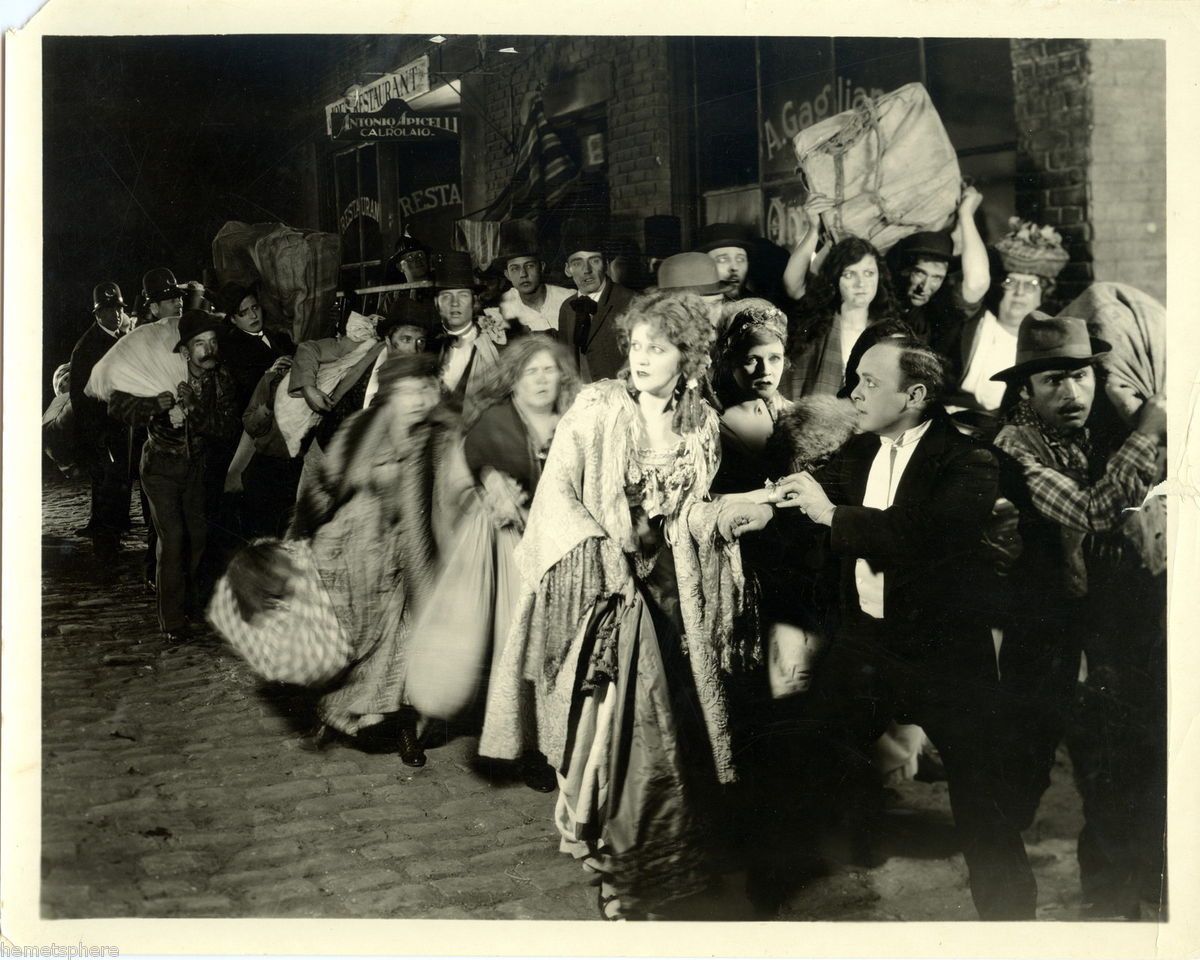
(247, 357)
(93, 428)
(603, 350)
(927, 544)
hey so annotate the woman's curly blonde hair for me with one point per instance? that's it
(683, 320)
(680, 318)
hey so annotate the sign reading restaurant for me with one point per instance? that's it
(410, 80)
(395, 121)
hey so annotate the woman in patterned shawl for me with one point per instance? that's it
(393, 474)
(630, 620)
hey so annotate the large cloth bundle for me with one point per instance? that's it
(887, 165)
(467, 616)
(58, 434)
(1135, 325)
(293, 416)
(299, 642)
(143, 363)
(298, 270)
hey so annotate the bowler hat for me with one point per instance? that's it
(159, 284)
(1052, 343)
(195, 322)
(454, 271)
(928, 244)
(689, 273)
(518, 238)
(716, 235)
(106, 294)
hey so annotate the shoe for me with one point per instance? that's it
(412, 754)
(609, 905)
(538, 775)
(85, 531)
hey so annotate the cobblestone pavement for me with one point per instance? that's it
(174, 786)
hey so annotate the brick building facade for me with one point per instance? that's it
(1072, 134)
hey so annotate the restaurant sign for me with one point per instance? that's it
(395, 121)
(411, 80)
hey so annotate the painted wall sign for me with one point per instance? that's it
(358, 207)
(408, 81)
(430, 198)
(394, 121)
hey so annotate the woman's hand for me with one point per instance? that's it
(318, 401)
(504, 499)
(737, 516)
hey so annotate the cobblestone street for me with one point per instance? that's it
(174, 786)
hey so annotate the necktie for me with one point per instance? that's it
(585, 309)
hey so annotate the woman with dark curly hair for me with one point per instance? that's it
(629, 621)
(851, 292)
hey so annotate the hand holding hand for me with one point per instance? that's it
(737, 516)
(318, 401)
(804, 492)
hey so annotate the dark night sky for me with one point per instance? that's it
(150, 144)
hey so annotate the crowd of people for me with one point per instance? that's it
(713, 560)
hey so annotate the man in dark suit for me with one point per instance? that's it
(101, 443)
(247, 349)
(587, 322)
(907, 502)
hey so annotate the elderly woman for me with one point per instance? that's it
(627, 625)
(389, 477)
(851, 292)
(506, 449)
(1032, 257)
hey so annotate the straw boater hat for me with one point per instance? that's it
(1028, 248)
(1052, 343)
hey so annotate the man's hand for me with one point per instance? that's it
(969, 202)
(165, 401)
(282, 363)
(187, 396)
(318, 401)
(801, 490)
(1152, 418)
(736, 517)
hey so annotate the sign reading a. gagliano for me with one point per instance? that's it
(411, 80)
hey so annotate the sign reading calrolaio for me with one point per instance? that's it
(410, 80)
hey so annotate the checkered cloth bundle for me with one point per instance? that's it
(301, 641)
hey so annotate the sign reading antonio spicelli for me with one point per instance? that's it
(410, 80)
(395, 121)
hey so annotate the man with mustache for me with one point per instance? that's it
(180, 430)
(729, 246)
(1079, 588)
(906, 502)
(587, 322)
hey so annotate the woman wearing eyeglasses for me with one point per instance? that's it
(1032, 258)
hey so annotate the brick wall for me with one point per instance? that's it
(639, 174)
(1091, 156)
(1128, 163)
(1053, 112)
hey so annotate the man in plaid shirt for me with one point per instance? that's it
(1081, 587)
(173, 460)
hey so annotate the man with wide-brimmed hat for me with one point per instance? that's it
(695, 274)
(1079, 587)
(530, 302)
(587, 321)
(181, 427)
(100, 443)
